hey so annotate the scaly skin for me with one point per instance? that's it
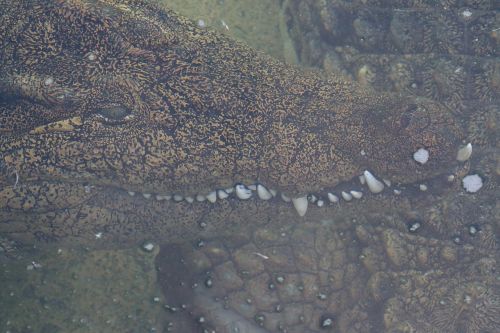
(100, 98)
(208, 113)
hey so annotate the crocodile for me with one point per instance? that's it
(123, 122)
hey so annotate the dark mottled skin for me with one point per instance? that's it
(99, 98)
(147, 102)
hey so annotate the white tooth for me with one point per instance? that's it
(189, 199)
(222, 194)
(160, 197)
(146, 195)
(243, 192)
(229, 190)
(333, 198)
(464, 153)
(397, 192)
(357, 194)
(421, 156)
(178, 197)
(362, 179)
(200, 198)
(253, 187)
(212, 196)
(320, 203)
(451, 178)
(131, 193)
(263, 193)
(387, 182)
(423, 187)
(375, 185)
(273, 192)
(285, 198)
(472, 183)
(300, 205)
(346, 196)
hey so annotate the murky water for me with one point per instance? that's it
(424, 264)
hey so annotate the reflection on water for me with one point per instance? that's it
(422, 263)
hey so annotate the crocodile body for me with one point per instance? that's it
(122, 122)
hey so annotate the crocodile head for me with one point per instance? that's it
(133, 98)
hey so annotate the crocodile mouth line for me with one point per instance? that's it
(363, 185)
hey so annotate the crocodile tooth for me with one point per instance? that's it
(146, 195)
(229, 190)
(356, 194)
(320, 203)
(464, 153)
(160, 197)
(300, 205)
(243, 192)
(423, 187)
(222, 194)
(273, 192)
(178, 197)
(346, 196)
(189, 199)
(200, 197)
(421, 156)
(332, 197)
(253, 187)
(263, 193)
(375, 185)
(285, 198)
(131, 193)
(212, 196)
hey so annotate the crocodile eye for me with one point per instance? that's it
(115, 114)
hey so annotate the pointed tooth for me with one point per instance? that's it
(189, 199)
(300, 205)
(362, 179)
(212, 196)
(221, 194)
(146, 195)
(273, 192)
(243, 192)
(263, 193)
(423, 187)
(160, 197)
(229, 190)
(397, 192)
(178, 198)
(375, 185)
(320, 203)
(387, 182)
(200, 198)
(450, 178)
(285, 198)
(356, 194)
(253, 187)
(333, 198)
(346, 196)
(464, 153)
(131, 193)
